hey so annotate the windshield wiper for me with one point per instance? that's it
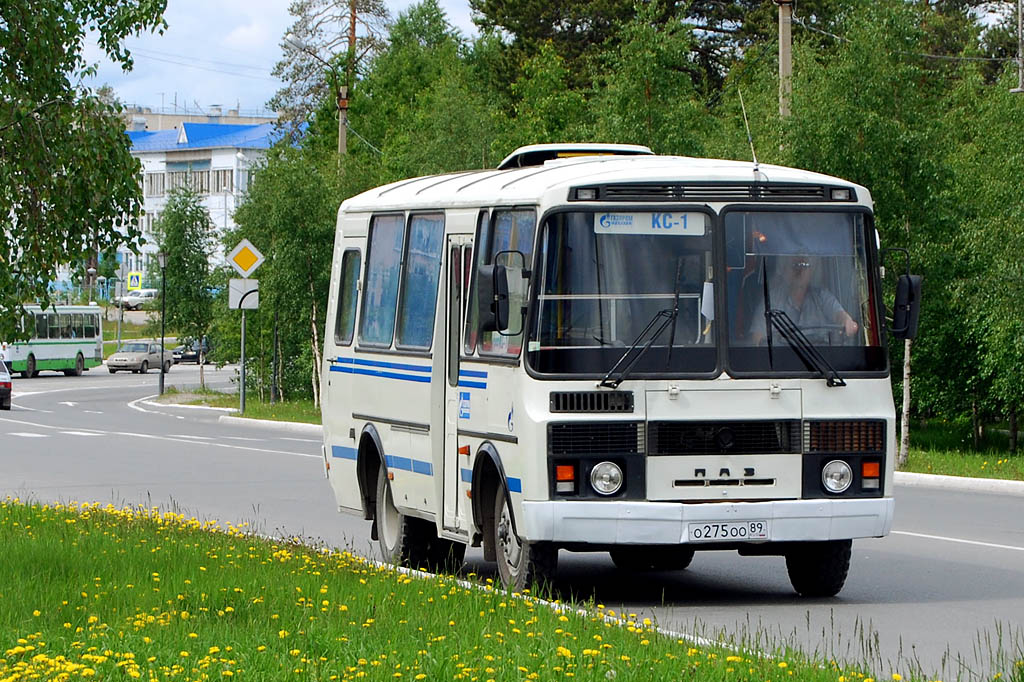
(812, 357)
(668, 317)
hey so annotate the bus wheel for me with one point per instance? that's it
(520, 563)
(656, 558)
(79, 366)
(818, 569)
(403, 540)
(30, 368)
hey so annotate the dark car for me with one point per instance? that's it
(190, 352)
(5, 387)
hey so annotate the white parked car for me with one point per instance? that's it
(139, 357)
(135, 299)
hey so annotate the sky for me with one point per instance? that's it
(217, 52)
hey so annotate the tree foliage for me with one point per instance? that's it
(68, 182)
(186, 236)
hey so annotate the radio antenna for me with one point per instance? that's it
(750, 139)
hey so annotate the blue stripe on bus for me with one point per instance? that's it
(467, 475)
(381, 373)
(342, 452)
(472, 373)
(386, 365)
(472, 384)
(408, 464)
(515, 485)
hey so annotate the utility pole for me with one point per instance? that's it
(785, 55)
(1020, 51)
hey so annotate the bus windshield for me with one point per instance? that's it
(813, 268)
(603, 278)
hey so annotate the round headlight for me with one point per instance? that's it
(837, 476)
(606, 478)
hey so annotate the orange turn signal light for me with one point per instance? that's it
(565, 472)
(869, 469)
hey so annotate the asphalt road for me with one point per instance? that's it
(951, 575)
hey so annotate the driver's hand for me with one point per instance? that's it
(850, 327)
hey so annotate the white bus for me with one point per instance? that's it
(64, 338)
(593, 348)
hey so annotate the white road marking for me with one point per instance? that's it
(176, 435)
(304, 440)
(150, 436)
(22, 434)
(68, 403)
(81, 433)
(251, 440)
(93, 412)
(992, 545)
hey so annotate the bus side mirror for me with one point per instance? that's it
(492, 300)
(907, 307)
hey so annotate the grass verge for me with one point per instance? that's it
(289, 411)
(948, 449)
(135, 593)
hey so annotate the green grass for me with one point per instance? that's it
(135, 593)
(947, 448)
(290, 411)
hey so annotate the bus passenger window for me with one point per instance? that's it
(418, 302)
(41, 326)
(91, 325)
(383, 269)
(78, 326)
(483, 234)
(345, 320)
(53, 321)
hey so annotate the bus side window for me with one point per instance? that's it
(483, 238)
(78, 326)
(42, 326)
(345, 320)
(53, 321)
(455, 281)
(383, 269)
(91, 325)
(422, 265)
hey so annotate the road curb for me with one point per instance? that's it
(962, 483)
(293, 427)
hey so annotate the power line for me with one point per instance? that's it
(947, 57)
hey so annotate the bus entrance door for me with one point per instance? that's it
(459, 253)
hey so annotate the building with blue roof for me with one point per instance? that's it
(214, 159)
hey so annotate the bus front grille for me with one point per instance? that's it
(595, 438)
(725, 437)
(591, 401)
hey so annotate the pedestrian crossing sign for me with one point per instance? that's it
(134, 281)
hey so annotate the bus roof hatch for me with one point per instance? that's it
(537, 154)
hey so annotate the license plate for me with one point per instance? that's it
(731, 530)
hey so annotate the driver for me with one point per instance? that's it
(808, 306)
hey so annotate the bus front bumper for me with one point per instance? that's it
(669, 523)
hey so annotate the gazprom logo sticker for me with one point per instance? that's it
(664, 223)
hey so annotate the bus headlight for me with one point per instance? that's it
(837, 476)
(606, 478)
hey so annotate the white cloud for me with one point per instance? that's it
(217, 52)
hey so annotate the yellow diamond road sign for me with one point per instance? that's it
(245, 258)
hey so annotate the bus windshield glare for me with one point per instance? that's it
(603, 277)
(811, 266)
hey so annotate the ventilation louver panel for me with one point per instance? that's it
(591, 401)
(595, 438)
(844, 436)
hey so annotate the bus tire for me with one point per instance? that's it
(819, 569)
(403, 540)
(30, 368)
(521, 564)
(652, 558)
(79, 366)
